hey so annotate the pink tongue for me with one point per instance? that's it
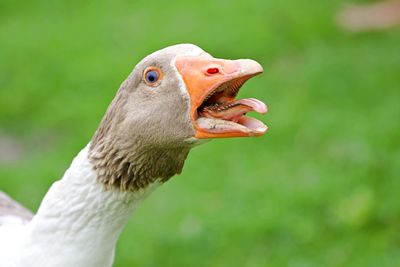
(255, 104)
(234, 113)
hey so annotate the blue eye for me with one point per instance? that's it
(152, 76)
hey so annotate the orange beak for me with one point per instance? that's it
(212, 85)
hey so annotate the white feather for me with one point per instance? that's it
(77, 225)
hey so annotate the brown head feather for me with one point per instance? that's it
(143, 135)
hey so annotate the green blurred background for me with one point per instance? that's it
(321, 188)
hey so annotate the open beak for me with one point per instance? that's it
(213, 85)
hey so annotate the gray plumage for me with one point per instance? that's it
(10, 209)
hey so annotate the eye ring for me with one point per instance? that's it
(152, 76)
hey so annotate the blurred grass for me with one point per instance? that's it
(320, 189)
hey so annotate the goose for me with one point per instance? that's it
(173, 100)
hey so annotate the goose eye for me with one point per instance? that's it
(152, 76)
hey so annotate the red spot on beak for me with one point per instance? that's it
(212, 70)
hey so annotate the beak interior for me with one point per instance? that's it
(221, 113)
(213, 85)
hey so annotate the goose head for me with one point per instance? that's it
(173, 99)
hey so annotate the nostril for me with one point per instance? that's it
(212, 70)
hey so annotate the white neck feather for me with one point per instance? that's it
(79, 222)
